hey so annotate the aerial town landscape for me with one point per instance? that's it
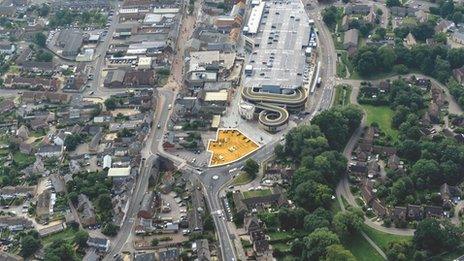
(231, 130)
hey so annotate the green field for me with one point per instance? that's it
(257, 193)
(383, 116)
(67, 234)
(361, 249)
(23, 160)
(342, 95)
(242, 178)
(382, 239)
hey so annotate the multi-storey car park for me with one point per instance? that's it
(278, 33)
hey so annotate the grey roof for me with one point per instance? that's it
(351, 37)
(115, 76)
(144, 257)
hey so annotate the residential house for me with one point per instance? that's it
(44, 208)
(46, 231)
(147, 208)
(459, 74)
(402, 11)
(351, 38)
(10, 192)
(351, 9)
(5, 256)
(450, 194)
(458, 36)
(87, 211)
(433, 211)
(6, 47)
(100, 244)
(414, 212)
(171, 254)
(443, 26)
(410, 40)
(48, 151)
(203, 252)
(6, 106)
(15, 224)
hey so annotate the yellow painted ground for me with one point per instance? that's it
(229, 146)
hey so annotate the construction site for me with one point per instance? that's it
(230, 145)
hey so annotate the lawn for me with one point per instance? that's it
(257, 193)
(382, 239)
(67, 234)
(342, 95)
(383, 116)
(242, 178)
(361, 249)
(23, 160)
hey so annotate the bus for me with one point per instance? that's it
(319, 81)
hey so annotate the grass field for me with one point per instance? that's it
(361, 249)
(22, 159)
(257, 193)
(67, 234)
(342, 95)
(241, 179)
(382, 239)
(383, 116)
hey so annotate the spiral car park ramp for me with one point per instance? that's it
(274, 107)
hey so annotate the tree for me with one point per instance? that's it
(399, 251)
(339, 253)
(292, 218)
(317, 242)
(80, 238)
(40, 39)
(251, 167)
(110, 229)
(348, 222)
(44, 10)
(318, 219)
(329, 15)
(311, 195)
(387, 56)
(208, 223)
(429, 170)
(390, 3)
(154, 242)
(42, 56)
(435, 237)
(71, 141)
(29, 245)
(366, 63)
(110, 104)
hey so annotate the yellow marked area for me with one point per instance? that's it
(230, 145)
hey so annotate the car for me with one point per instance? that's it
(158, 126)
(91, 92)
(215, 177)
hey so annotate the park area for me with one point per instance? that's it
(230, 145)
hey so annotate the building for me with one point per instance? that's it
(351, 38)
(10, 257)
(459, 74)
(101, 244)
(52, 229)
(458, 36)
(6, 105)
(114, 79)
(171, 254)
(44, 207)
(357, 9)
(119, 172)
(410, 40)
(48, 151)
(70, 41)
(87, 211)
(443, 26)
(7, 47)
(147, 207)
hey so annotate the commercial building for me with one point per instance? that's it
(70, 41)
